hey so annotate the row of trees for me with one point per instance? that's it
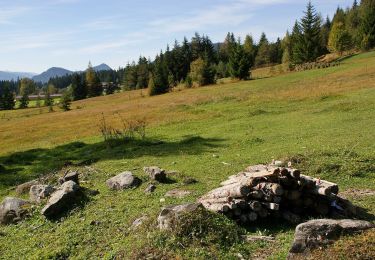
(201, 62)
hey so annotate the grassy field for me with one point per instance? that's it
(322, 119)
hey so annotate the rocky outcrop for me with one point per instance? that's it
(40, 192)
(61, 200)
(125, 180)
(150, 188)
(13, 210)
(322, 232)
(170, 215)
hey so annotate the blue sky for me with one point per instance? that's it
(36, 34)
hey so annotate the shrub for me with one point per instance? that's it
(130, 130)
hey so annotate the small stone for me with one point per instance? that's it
(40, 192)
(95, 223)
(150, 188)
(189, 180)
(155, 173)
(138, 222)
(215, 156)
(124, 180)
(170, 214)
(70, 176)
(25, 187)
(176, 193)
(12, 210)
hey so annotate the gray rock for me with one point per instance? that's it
(150, 188)
(124, 180)
(138, 222)
(25, 187)
(70, 176)
(176, 193)
(61, 200)
(40, 192)
(13, 210)
(155, 173)
(170, 215)
(321, 232)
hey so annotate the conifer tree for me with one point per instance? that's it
(308, 43)
(263, 56)
(24, 101)
(94, 86)
(7, 101)
(249, 49)
(48, 101)
(79, 90)
(66, 100)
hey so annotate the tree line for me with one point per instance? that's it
(200, 62)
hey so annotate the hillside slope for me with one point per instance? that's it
(323, 119)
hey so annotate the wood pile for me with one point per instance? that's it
(263, 191)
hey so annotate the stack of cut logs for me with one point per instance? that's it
(267, 190)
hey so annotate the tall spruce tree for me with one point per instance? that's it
(7, 101)
(308, 44)
(79, 90)
(94, 86)
(263, 56)
(24, 101)
(249, 49)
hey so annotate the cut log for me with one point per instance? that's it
(242, 204)
(219, 207)
(320, 187)
(293, 195)
(273, 188)
(255, 205)
(234, 191)
(216, 201)
(243, 219)
(256, 194)
(294, 173)
(277, 199)
(252, 216)
(237, 212)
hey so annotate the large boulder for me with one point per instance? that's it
(70, 176)
(155, 173)
(13, 210)
(322, 232)
(40, 192)
(25, 187)
(125, 180)
(170, 215)
(61, 200)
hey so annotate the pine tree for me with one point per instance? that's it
(48, 101)
(201, 72)
(66, 100)
(263, 56)
(239, 63)
(249, 49)
(367, 27)
(308, 43)
(79, 90)
(7, 101)
(24, 101)
(94, 86)
(159, 77)
(353, 22)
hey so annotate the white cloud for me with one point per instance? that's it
(8, 14)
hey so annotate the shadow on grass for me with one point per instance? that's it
(23, 166)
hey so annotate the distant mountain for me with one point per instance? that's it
(8, 75)
(102, 67)
(51, 73)
(59, 72)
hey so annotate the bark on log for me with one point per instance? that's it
(273, 188)
(234, 191)
(256, 194)
(255, 205)
(291, 217)
(320, 187)
(263, 213)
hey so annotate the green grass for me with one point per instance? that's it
(321, 119)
